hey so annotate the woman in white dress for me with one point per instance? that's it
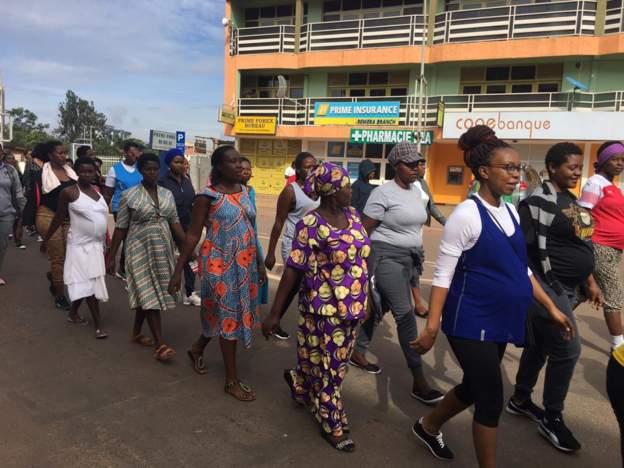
(84, 273)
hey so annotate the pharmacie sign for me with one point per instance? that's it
(253, 125)
(539, 125)
(359, 135)
(357, 113)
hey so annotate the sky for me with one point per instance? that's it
(146, 64)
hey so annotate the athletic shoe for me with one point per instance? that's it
(430, 398)
(435, 443)
(2, 282)
(281, 334)
(527, 409)
(193, 299)
(39, 238)
(62, 303)
(369, 367)
(21, 246)
(557, 433)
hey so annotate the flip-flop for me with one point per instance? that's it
(142, 340)
(164, 353)
(100, 334)
(78, 320)
(198, 362)
(344, 445)
(246, 389)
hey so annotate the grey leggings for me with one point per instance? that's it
(393, 277)
(6, 228)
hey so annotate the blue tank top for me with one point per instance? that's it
(123, 181)
(490, 292)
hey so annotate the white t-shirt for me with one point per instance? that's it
(593, 191)
(111, 176)
(461, 233)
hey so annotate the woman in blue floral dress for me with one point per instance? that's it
(328, 259)
(230, 268)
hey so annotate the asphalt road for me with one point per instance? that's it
(67, 400)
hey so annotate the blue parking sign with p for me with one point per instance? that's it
(180, 140)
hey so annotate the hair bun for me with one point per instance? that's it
(474, 137)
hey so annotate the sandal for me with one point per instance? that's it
(198, 362)
(78, 320)
(291, 385)
(143, 340)
(343, 445)
(164, 353)
(100, 334)
(246, 395)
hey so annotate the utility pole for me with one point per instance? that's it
(421, 77)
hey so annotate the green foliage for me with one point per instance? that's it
(79, 119)
(27, 130)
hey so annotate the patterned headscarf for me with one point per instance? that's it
(326, 179)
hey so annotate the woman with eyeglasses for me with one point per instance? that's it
(394, 217)
(481, 290)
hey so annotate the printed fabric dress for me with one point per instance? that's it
(228, 268)
(149, 246)
(332, 301)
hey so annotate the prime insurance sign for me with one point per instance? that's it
(539, 125)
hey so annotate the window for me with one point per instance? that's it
(374, 150)
(376, 78)
(266, 86)
(522, 88)
(474, 89)
(344, 10)
(273, 15)
(543, 77)
(374, 84)
(497, 73)
(378, 92)
(357, 79)
(355, 150)
(523, 72)
(548, 88)
(335, 149)
(455, 175)
(398, 91)
(357, 92)
(495, 89)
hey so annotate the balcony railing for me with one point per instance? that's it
(561, 18)
(614, 21)
(301, 111)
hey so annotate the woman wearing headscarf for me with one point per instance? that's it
(394, 218)
(606, 201)
(183, 192)
(12, 203)
(56, 175)
(328, 265)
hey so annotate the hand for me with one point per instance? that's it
(594, 293)
(262, 274)
(174, 284)
(269, 261)
(110, 264)
(564, 323)
(425, 341)
(269, 325)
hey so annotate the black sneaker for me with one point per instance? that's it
(369, 367)
(430, 398)
(281, 334)
(527, 409)
(62, 303)
(557, 433)
(435, 443)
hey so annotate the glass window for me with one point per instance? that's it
(391, 3)
(285, 10)
(548, 88)
(252, 13)
(495, 89)
(355, 150)
(523, 72)
(265, 81)
(335, 149)
(388, 148)
(522, 88)
(357, 92)
(455, 175)
(378, 92)
(357, 79)
(374, 150)
(267, 12)
(351, 5)
(337, 92)
(398, 92)
(377, 78)
(471, 89)
(331, 6)
(371, 3)
(296, 93)
(265, 93)
(497, 73)
(390, 172)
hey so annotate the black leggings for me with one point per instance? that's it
(615, 390)
(482, 384)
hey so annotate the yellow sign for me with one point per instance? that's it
(227, 116)
(256, 125)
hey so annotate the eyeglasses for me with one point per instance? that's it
(509, 168)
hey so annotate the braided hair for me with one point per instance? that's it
(478, 145)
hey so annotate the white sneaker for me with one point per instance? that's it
(193, 299)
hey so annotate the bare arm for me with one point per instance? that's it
(427, 337)
(370, 224)
(178, 234)
(285, 203)
(61, 212)
(291, 279)
(107, 193)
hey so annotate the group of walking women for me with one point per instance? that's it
(502, 276)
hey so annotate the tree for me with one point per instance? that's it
(79, 119)
(27, 130)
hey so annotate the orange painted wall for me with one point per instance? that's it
(440, 156)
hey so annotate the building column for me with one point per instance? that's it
(432, 11)
(601, 17)
(298, 23)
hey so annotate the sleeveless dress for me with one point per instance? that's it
(303, 205)
(228, 268)
(85, 272)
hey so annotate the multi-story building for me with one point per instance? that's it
(324, 71)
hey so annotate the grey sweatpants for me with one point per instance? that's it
(393, 277)
(559, 355)
(6, 228)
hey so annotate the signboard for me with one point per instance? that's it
(539, 125)
(227, 116)
(440, 114)
(180, 140)
(255, 125)
(201, 146)
(162, 141)
(389, 136)
(357, 113)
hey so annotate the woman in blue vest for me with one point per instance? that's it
(122, 176)
(482, 289)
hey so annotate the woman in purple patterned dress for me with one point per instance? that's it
(328, 259)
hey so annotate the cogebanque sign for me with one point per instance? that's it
(539, 125)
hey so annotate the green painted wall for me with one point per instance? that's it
(315, 11)
(316, 84)
(443, 79)
(607, 76)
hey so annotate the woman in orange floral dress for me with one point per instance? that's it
(230, 269)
